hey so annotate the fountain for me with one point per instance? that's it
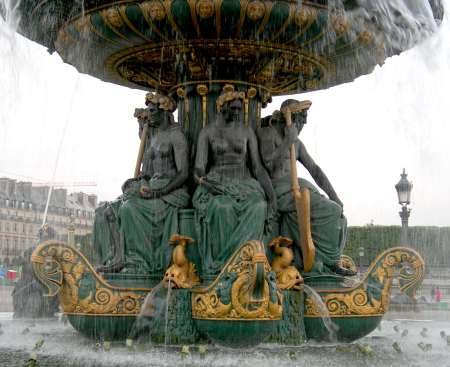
(219, 62)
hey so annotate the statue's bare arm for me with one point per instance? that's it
(258, 170)
(180, 150)
(201, 162)
(316, 173)
(201, 157)
(148, 164)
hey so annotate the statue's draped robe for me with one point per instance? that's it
(144, 226)
(224, 222)
(328, 225)
(147, 224)
(106, 232)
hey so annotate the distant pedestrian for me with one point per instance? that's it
(438, 295)
(432, 293)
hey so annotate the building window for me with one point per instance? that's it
(15, 227)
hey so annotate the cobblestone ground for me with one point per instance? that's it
(62, 346)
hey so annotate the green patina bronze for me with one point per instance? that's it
(146, 226)
(290, 330)
(328, 223)
(219, 176)
(230, 201)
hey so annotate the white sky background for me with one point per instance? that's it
(362, 134)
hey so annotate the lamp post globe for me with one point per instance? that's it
(404, 188)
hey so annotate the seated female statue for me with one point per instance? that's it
(106, 240)
(148, 215)
(230, 200)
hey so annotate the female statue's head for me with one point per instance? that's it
(230, 105)
(160, 109)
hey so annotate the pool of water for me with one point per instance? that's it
(63, 346)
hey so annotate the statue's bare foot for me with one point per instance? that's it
(113, 268)
(339, 270)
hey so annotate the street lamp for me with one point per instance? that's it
(361, 255)
(404, 188)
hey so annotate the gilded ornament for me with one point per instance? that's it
(182, 273)
(251, 92)
(361, 300)
(64, 37)
(205, 8)
(135, 75)
(113, 17)
(288, 277)
(141, 113)
(348, 263)
(256, 10)
(268, 77)
(266, 99)
(228, 88)
(365, 37)
(312, 84)
(228, 97)
(202, 89)
(154, 10)
(245, 289)
(305, 16)
(83, 24)
(181, 92)
(340, 24)
(294, 107)
(67, 273)
(162, 101)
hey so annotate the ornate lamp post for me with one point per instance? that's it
(361, 256)
(404, 188)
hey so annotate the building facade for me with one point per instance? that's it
(22, 208)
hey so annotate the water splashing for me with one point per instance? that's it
(323, 312)
(9, 15)
(152, 310)
(166, 325)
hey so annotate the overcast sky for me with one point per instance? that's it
(362, 134)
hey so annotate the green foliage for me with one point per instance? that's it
(433, 243)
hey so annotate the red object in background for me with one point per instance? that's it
(11, 275)
(438, 295)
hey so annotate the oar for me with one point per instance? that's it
(144, 136)
(301, 196)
